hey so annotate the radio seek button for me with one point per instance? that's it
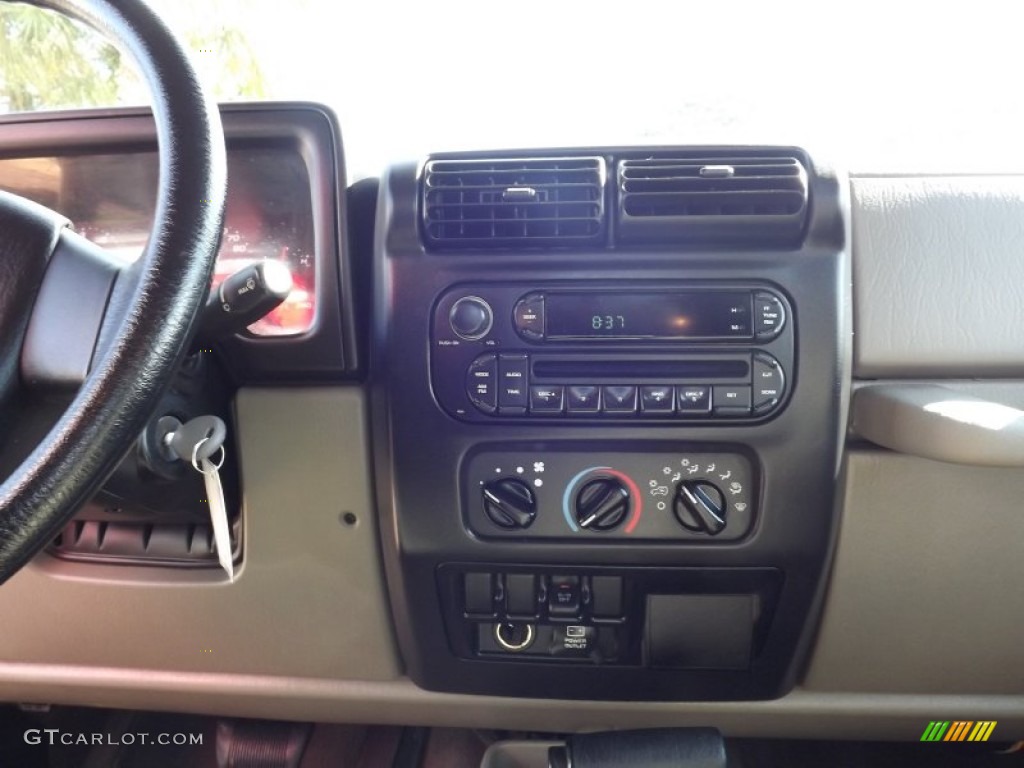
(768, 383)
(768, 315)
(732, 401)
(620, 399)
(513, 375)
(528, 316)
(694, 399)
(656, 399)
(546, 398)
(481, 383)
(583, 399)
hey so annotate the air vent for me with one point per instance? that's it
(710, 198)
(515, 203)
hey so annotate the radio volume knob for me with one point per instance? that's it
(471, 318)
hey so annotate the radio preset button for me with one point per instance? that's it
(769, 383)
(769, 316)
(694, 399)
(481, 383)
(547, 398)
(583, 399)
(732, 401)
(620, 399)
(513, 383)
(657, 399)
(528, 316)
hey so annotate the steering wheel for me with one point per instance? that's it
(144, 312)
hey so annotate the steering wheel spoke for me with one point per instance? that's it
(69, 313)
(30, 234)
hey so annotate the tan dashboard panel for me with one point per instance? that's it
(308, 601)
(927, 588)
(938, 275)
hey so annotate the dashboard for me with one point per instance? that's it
(557, 439)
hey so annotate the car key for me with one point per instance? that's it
(196, 442)
(218, 512)
(196, 439)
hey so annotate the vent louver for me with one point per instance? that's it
(514, 203)
(711, 198)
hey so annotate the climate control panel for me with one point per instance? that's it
(614, 496)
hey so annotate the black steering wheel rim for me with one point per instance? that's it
(156, 301)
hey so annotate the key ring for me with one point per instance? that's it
(195, 453)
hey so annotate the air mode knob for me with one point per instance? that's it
(699, 506)
(602, 504)
(509, 503)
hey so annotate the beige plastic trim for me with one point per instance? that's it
(925, 595)
(801, 714)
(308, 599)
(938, 276)
(933, 422)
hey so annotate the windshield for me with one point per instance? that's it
(870, 86)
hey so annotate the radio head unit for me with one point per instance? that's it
(670, 353)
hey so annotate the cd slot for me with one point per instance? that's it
(676, 369)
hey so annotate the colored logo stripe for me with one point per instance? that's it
(982, 730)
(935, 730)
(958, 730)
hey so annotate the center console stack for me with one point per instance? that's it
(608, 401)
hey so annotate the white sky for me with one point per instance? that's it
(873, 85)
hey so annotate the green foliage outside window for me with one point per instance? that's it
(48, 61)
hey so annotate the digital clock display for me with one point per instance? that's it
(647, 315)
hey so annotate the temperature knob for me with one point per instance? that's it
(700, 507)
(509, 503)
(602, 504)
